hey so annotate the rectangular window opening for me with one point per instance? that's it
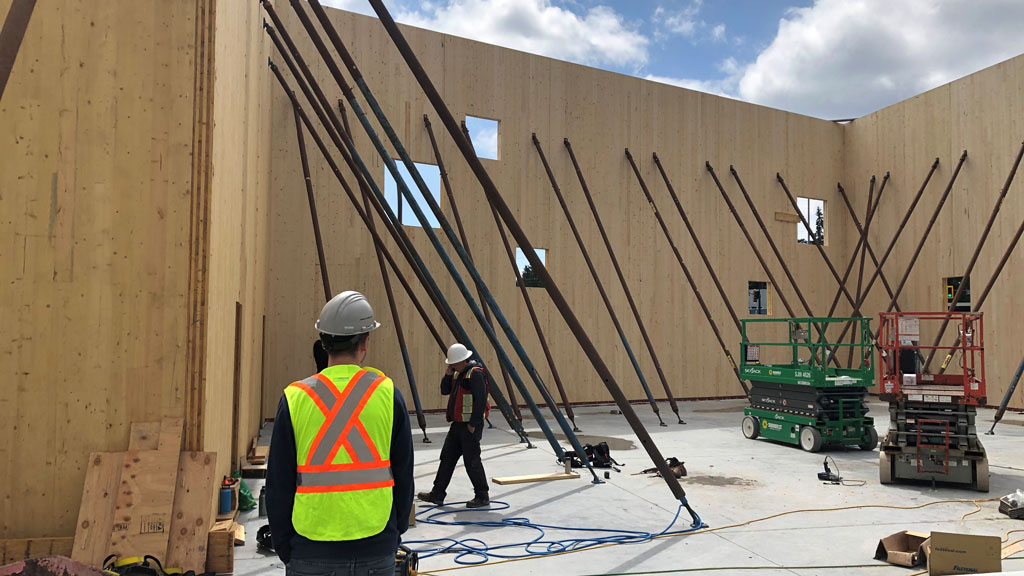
(813, 211)
(758, 298)
(484, 135)
(399, 203)
(530, 277)
(963, 303)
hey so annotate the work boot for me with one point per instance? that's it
(478, 502)
(429, 497)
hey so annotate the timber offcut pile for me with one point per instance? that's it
(152, 500)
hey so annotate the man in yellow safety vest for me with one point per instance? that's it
(340, 469)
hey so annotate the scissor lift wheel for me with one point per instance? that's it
(872, 441)
(751, 427)
(885, 466)
(810, 439)
(981, 476)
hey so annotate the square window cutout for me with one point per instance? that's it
(484, 135)
(530, 277)
(399, 203)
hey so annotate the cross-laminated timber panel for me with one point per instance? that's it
(602, 113)
(120, 172)
(983, 113)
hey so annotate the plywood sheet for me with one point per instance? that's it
(144, 436)
(145, 496)
(190, 516)
(22, 549)
(96, 514)
(170, 433)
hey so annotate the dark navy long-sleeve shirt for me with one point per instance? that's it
(281, 484)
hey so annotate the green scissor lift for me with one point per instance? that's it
(809, 401)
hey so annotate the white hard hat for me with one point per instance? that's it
(457, 353)
(347, 314)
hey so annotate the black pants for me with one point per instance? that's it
(460, 442)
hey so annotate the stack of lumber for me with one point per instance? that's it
(152, 499)
(258, 453)
(223, 537)
(256, 465)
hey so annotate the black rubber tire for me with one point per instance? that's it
(810, 439)
(751, 427)
(872, 442)
(981, 476)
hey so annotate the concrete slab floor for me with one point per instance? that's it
(731, 480)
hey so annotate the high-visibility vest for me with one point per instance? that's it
(462, 411)
(342, 419)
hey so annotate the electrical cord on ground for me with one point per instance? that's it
(837, 478)
(474, 552)
(706, 530)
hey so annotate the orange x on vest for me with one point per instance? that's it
(342, 429)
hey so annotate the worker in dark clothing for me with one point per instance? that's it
(319, 355)
(340, 469)
(466, 384)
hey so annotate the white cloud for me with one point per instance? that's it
(724, 86)
(846, 58)
(718, 33)
(600, 36)
(683, 22)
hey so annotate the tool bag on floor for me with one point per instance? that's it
(677, 467)
(599, 456)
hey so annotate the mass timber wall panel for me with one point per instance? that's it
(602, 113)
(133, 219)
(94, 234)
(238, 225)
(983, 113)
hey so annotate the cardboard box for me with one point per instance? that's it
(963, 554)
(903, 549)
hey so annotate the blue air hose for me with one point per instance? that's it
(470, 551)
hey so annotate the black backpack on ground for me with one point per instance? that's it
(599, 456)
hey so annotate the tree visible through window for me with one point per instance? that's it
(813, 211)
(531, 279)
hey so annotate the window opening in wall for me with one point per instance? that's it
(530, 276)
(484, 134)
(758, 298)
(431, 175)
(963, 303)
(814, 212)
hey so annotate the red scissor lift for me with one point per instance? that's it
(932, 435)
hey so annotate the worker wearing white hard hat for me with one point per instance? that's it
(466, 383)
(340, 470)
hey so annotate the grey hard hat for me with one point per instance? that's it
(347, 314)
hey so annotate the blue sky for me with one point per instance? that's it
(825, 58)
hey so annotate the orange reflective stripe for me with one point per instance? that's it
(330, 417)
(343, 437)
(312, 395)
(330, 384)
(345, 467)
(366, 438)
(344, 487)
